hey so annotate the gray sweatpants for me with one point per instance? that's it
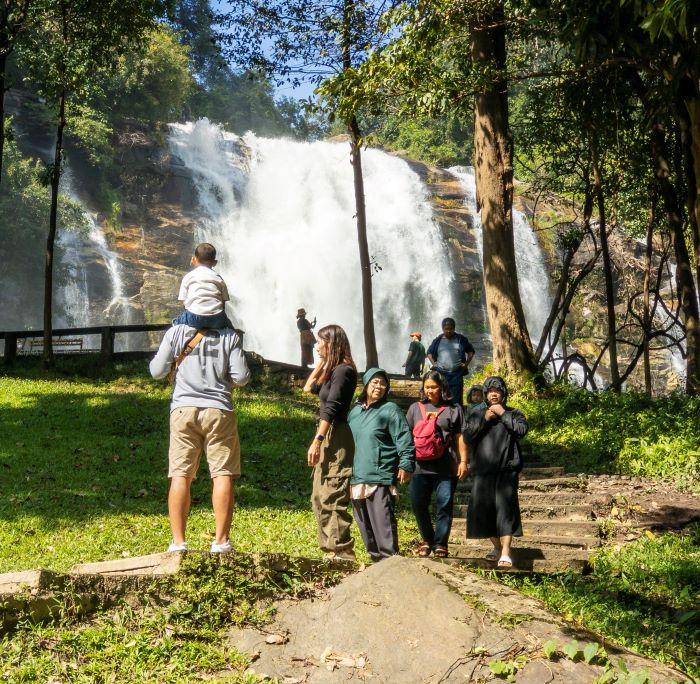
(377, 522)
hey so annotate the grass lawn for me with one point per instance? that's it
(83, 478)
(83, 466)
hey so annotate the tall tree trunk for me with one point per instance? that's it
(365, 264)
(615, 384)
(646, 313)
(372, 358)
(493, 161)
(3, 66)
(687, 292)
(689, 119)
(51, 239)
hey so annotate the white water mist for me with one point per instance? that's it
(282, 216)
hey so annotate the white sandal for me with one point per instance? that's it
(505, 562)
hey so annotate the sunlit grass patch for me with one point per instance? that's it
(644, 595)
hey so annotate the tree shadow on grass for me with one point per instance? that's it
(79, 454)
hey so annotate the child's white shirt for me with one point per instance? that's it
(203, 291)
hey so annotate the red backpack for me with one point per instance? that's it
(427, 436)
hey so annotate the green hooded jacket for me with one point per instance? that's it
(383, 440)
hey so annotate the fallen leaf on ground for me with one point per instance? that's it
(277, 639)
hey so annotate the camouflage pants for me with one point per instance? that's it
(330, 494)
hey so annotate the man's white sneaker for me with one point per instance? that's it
(221, 548)
(177, 547)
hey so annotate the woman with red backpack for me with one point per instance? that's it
(436, 423)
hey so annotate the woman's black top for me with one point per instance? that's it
(493, 444)
(336, 394)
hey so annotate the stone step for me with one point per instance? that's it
(562, 497)
(528, 475)
(524, 559)
(533, 541)
(153, 564)
(532, 481)
(553, 483)
(546, 510)
(547, 527)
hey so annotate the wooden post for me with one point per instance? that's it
(107, 343)
(10, 347)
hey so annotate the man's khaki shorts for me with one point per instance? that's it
(193, 430)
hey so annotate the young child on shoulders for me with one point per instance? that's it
(203, 292)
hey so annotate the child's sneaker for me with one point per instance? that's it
(177, 547)
(221, 548)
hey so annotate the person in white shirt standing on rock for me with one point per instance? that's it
(203, 292)
(207, 364)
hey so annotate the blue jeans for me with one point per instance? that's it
(456, 382)
(421, 490)
(214, 321)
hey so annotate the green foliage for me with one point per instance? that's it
(173, 632)
(507, 669)
(218, 591)
(644, 595)
(152, 81)
(24, 218)
(628, 433)
(443, 141)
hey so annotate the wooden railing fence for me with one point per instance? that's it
(107, 335)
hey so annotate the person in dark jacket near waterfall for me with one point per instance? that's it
(384, 456)
(493, 431)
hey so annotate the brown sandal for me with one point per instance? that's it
(422, 550)
(441, 552)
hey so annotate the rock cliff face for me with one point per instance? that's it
(159, 231)
(457, 223)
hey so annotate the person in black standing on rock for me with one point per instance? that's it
(331, 452)
(495, 462)
(306, 338)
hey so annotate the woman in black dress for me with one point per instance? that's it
(495, 462)
(331, 452)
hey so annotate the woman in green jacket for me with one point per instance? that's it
(384, 455)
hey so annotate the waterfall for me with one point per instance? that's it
(677, 352)
(529, 258)
(93, 291)
(281, 215)
(531, 265)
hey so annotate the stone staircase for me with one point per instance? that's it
(560, 522)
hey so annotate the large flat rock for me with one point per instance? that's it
(408, 620)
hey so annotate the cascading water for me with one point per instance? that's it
(92, 293)
(676, 351)
(530, 262)
(281, 214)
(529, 257)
